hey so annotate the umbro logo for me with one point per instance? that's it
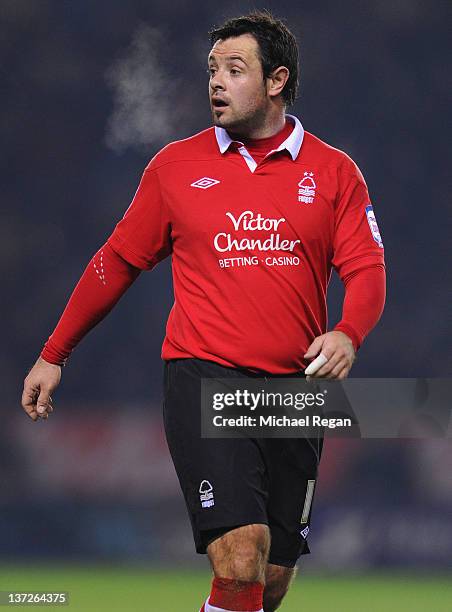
(205, 183)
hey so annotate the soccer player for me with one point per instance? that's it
(255, 213)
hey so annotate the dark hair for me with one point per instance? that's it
(277, 45)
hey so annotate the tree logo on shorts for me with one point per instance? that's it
(206, 494)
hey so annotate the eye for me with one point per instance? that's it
(235, 71)
(211, 71)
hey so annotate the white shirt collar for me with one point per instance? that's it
(292, 143)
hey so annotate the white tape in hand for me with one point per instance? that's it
(315, 365)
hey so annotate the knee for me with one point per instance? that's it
(249, 560)
(241, 554)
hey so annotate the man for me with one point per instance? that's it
(255, 213)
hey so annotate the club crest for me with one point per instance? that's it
(307, 187)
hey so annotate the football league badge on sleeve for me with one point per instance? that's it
(307, 187)
(373, 225)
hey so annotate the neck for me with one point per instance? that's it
(269, 125)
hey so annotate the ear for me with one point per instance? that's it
(277, 80)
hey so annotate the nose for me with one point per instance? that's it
(216, 82)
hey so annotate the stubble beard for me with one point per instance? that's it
(244, 123)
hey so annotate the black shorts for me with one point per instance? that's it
(237, 481)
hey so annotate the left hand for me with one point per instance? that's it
(338, 349)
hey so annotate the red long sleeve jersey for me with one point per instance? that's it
(252, 245)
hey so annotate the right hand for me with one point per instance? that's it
(40, 382)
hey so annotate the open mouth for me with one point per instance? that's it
(217, 103)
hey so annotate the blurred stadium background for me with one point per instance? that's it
(89, 501)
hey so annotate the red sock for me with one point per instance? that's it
(235, 596)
